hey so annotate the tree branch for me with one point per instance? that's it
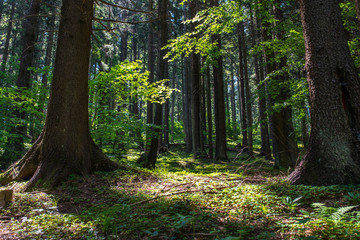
(119, 21)
(125, 8)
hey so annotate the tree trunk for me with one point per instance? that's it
(219, 101)
(233, 107)
(259, 77)
(332, 156)
(173, 102)
(284, 133)
(65, 146)
(163, 73)
(242, 86)
(209, 113)
(195, 90)
(248, 99)
(187, 98)
(8, 36)
(151, 68)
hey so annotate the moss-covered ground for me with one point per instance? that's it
(185, 198)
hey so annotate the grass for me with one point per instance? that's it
(186, 198)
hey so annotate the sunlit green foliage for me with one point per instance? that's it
(111, 94)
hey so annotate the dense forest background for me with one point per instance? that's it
(270, 80)
(234, 72)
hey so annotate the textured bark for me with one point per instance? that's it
(248, 99)
(173, 101)
(65, 146)
(195, 95)
(219, 102)
(8, 36)
(48, 54)
(151, 69)
(332, 156)
(209, 113)
(232, 101)
(124, 45)
(240, 29)
(151, 157)
(187, 98)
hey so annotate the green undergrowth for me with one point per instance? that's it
(186, 198)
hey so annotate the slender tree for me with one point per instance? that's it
(196, 94)
(241, 83)
(219, 102)
(151, 157)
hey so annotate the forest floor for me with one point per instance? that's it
(185, 198)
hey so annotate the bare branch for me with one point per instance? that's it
(119, 21)
(125, 8)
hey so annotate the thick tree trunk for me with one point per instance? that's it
(8, 36)
(65, 146)
(332, 156)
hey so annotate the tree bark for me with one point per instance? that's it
(248, 99)
(332, 156)
(151, 69)
(219, 101)
(187, 98)
(284, 133)
(240, 29)
(259, 77)
(65, 146)
(233, 106)
(151, 157)
(195, 90)
(209, 113)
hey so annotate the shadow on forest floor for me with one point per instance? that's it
(185, 199)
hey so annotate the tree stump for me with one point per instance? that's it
(6, 196)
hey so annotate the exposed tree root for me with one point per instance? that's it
(49, 169)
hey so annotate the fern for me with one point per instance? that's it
(341, 212)
(330, 213)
